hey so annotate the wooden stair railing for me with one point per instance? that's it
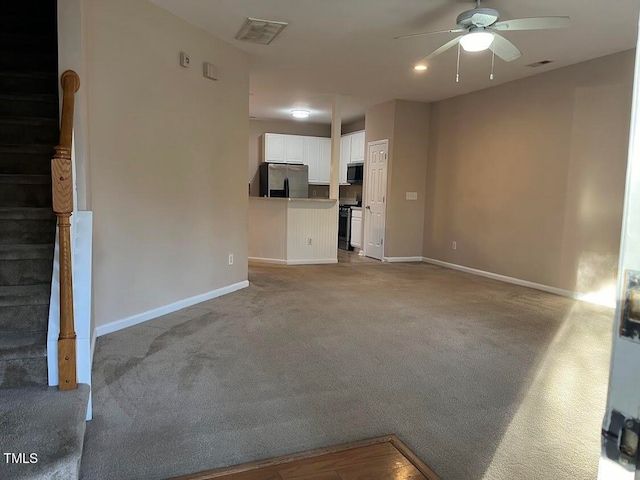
(62, 186)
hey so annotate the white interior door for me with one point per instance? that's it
(376, 199)
(619, 460)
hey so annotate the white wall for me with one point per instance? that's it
(168, 159)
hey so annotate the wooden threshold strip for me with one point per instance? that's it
(350, 463)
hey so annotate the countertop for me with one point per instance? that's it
(279, 199)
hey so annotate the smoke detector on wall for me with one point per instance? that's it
(259, 31)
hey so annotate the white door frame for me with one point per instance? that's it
(365, 200)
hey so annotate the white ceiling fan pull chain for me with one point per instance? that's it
(458, 66)
(493, 62)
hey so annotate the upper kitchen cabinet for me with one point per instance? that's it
(280, 148)
(312, 157)
(324, 162)
(357, 148)
(345, 153)
(352, 150)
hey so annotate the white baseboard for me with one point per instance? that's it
(321, 261)
(401, 259)
(279, 261)
(164, 310)
(523, 283)
(272, 261)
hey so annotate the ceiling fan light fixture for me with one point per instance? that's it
(476, 41)
(420, 67)
(300, 113)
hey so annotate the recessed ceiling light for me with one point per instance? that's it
(420, 68)
(300, 113)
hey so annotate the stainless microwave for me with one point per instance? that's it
(355, 173)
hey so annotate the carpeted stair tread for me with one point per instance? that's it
(49, 422)
(28, 82)
(25, 213)
(30, 121)
(33, 190)
(43, 150)
(33, 251)
(27, 105)
(15, 295)
(43, 59)
(24, 318)
(25, 159)
(26, 42)
(14, 346)
(30, 179)
(29, 130)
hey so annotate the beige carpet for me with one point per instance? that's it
(482, 380)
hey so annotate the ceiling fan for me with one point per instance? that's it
(480, 27)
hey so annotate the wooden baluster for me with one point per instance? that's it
(62, 183)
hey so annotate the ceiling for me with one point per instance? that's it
(347, 47)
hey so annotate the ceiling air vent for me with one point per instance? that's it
(259, 31)
(540, 64)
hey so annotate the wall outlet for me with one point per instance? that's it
(412, 195)
(309, 241)
(454, 245)
(185, 61)
(313, 192)
(231, 259)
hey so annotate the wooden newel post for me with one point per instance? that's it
(62, 183)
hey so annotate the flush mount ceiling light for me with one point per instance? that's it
(300, 113)
(476, 41)
(420, 68)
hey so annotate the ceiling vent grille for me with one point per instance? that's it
(540, 64)
(259, 31)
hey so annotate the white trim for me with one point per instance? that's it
(401, 259)
(320, 261)
(94, 337)
(524, 283)
(279, 261)
(274, 261)
(172, 307)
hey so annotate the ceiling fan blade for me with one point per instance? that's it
(504, 49)
(537, 23)
(455, 30)
(442, 49)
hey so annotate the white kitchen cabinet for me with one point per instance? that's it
(294, 149)
(357, 148)
(315, 152)
(279, 148)
(345, 153)
(312, 158)
(274, 147)
(356, 228)
(324, 161)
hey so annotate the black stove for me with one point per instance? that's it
(344, 227)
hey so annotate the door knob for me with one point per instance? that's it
(368, 207)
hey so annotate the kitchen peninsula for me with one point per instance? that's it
(293, 231)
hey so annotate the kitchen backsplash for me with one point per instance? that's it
(348, 193)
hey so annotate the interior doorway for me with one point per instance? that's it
(375, 198)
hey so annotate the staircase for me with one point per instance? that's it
(34, 418)
(28, 132)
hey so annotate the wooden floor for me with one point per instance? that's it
(383, 458)
(349, 256)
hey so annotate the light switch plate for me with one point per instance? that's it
(209, 71)
(412, 195)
